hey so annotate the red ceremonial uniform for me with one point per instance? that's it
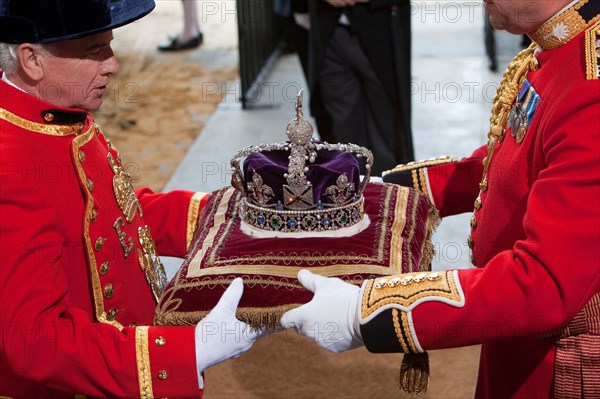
(79, 273)
(535, 231)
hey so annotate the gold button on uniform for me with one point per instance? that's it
(90, 185)
(112, 314)
(104, 267)
(160, 341)
(477, 204)
(473, 222)
(394, 282)
(381, 283)
(99, 244)
(434, 276)
(534, 64)
(163, 375)
(109, 291)
(81, 156)
(483, 186)
(93, 215)
(470, 242)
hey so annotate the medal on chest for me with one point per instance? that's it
(522, 113)
(507, 111)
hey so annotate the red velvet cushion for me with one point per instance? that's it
(398, 239)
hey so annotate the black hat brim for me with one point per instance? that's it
(50, 21)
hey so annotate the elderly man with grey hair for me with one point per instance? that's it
(80, 273)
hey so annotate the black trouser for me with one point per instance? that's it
(359, 106)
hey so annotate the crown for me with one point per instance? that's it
(301, 185)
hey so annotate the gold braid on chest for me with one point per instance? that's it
(504, 101)
(505, 98)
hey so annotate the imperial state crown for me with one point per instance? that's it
(301, 185)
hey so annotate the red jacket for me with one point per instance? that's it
(78, 268)
(535, 236)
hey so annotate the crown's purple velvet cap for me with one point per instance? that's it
(324, 172)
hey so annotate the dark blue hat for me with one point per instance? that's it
(48, 21)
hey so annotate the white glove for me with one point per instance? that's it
(220, 335)
(331, 317)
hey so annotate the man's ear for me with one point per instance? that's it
(31, 59)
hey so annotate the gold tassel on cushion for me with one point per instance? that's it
(414, 373)
(268, 319)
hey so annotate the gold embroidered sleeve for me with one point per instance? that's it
(192, 220)
(386, 303)
(405, 291)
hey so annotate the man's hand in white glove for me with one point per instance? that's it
(220, 335)
(331, 317)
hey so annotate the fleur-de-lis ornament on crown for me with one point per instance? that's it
(337, 206)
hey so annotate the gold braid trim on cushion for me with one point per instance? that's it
(428, 250)
(404, 225)
(260, 319)
(269, 264)
(192, 219)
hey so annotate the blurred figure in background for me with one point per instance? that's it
(190, 36)
(360, 75)
(296, 27)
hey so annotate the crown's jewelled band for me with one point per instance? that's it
(292, 221)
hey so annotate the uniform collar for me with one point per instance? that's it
(5, 79)
(566, 24)
(25, 110)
